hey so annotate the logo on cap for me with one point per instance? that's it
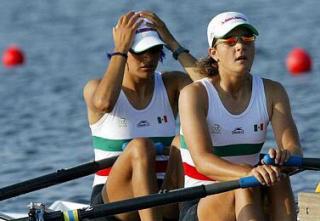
(233, 18)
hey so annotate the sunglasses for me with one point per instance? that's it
(153, 50)
(232, 40)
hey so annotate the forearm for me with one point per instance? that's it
(220, 169)
(109, 87)
(188, 62)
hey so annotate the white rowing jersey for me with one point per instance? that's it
(115, 129)
(237, 138)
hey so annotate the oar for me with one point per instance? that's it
(60, 176)
(296, 161)
(152, 200)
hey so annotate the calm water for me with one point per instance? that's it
(43, 124)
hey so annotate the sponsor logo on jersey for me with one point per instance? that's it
(123, 122)
(216, 129)
(238, 130)
(143, 123)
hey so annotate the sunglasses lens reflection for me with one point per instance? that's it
(232, 40)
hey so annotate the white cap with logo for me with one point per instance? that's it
(225, 22)
(146, 37)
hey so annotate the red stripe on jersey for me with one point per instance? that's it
(193, 173)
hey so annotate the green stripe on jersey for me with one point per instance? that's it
(230, 150)
(116, 145)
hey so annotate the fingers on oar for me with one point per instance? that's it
(272, 153)
(283, 157)
(267, 175)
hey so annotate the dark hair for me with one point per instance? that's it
(208, 66)
(162, 55)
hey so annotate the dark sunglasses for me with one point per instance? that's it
(153, 50)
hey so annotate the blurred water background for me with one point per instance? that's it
(43, 125)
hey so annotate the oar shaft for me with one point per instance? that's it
(57, 177)
(178, 195)
(143, 202)
(311, 163)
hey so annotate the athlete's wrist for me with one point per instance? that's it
(177, 52)
(117, 53)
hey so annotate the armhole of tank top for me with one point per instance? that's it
(102, 119)
(209, 90)
(99, 122)
(159, 84)
(263, 96)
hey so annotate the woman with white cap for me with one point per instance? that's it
(224, 119)
(131, 112)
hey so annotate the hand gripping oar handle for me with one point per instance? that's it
(249, 181)
(296, 161)
(293, 161)
(60, 176)
(138, 203)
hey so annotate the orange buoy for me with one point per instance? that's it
(12, 56)
(298, 61)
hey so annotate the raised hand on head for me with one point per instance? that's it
(124, 31)
(160, 26)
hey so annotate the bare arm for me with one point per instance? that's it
(283, 125)
(102, 95)
(186, 59)
(193, 105)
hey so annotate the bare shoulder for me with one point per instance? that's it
(194, 88)
(90, 88)
(276, 96)
(177, 78)
(195, 91)
(273, 85)
(274, 89)
(194, 99)
(92, 84)
(172, 74)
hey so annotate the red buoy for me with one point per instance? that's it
(12, 56)
(298, 61)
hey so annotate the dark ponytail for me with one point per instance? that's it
(208, 66)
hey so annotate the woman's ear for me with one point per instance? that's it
(212, 52)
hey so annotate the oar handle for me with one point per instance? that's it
(249, 181)
(293, 161)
